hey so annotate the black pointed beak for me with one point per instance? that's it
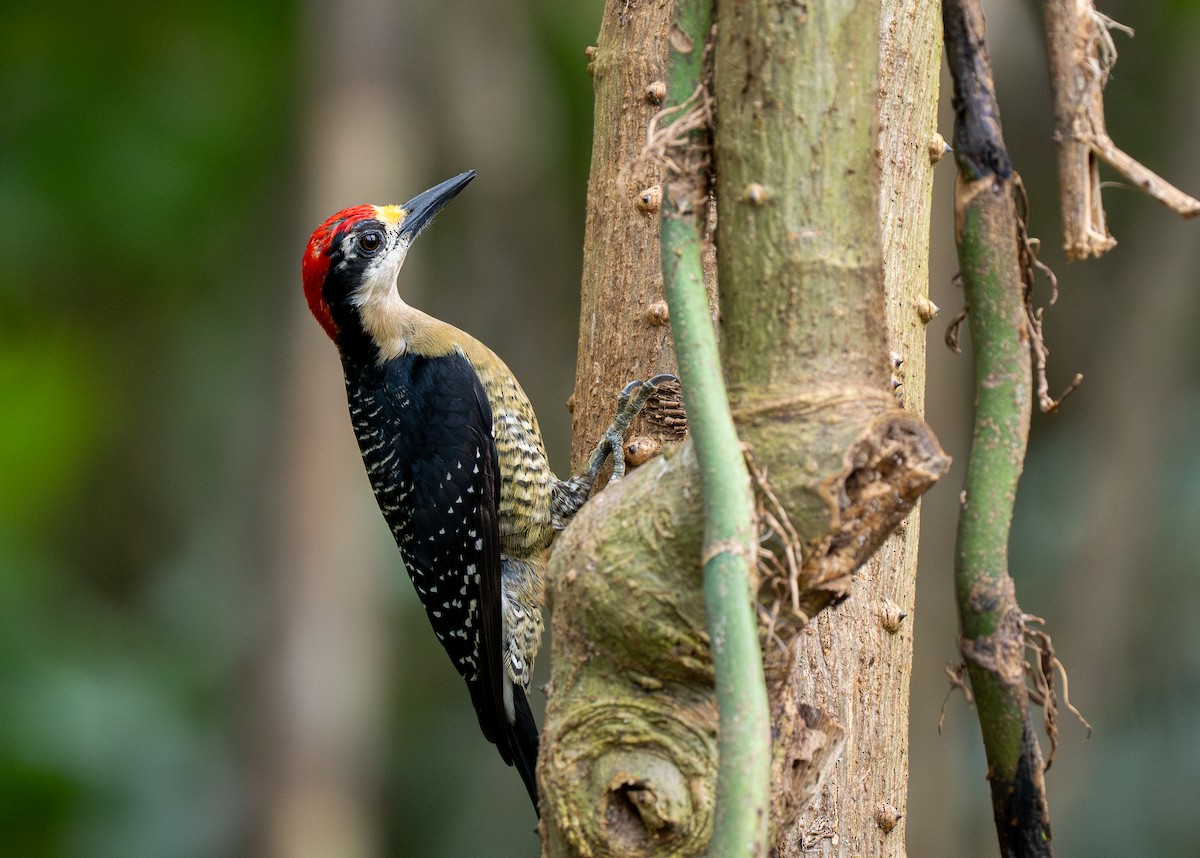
(424, 206)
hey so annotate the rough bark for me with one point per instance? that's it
(862, 809)
(623, 330)
(629, 757)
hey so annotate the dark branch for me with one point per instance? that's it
(978, 139)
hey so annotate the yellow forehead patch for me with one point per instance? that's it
(390, 215)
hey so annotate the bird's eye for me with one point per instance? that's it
(370, 242)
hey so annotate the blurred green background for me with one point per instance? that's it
(206, 644)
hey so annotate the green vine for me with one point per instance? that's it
(743, 769)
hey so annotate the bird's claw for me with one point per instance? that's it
(630, 402)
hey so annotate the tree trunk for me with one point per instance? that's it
(814, 295)
(623, 331)
(861, 810)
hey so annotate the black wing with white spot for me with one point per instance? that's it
(432, 463)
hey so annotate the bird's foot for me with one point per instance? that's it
(612, 442)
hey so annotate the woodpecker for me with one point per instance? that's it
(455, 458)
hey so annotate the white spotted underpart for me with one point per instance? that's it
(436, 515)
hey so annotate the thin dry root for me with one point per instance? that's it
(1030, 264)
(957, 673)
(780, 554)
(666, 147)
(1041, 674)
(955, 327)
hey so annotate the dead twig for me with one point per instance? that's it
(1082, 54)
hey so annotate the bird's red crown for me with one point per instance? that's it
(315, 267)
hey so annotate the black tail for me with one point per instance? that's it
(523, 734)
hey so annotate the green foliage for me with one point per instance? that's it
(136, 144)
(53, 419)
